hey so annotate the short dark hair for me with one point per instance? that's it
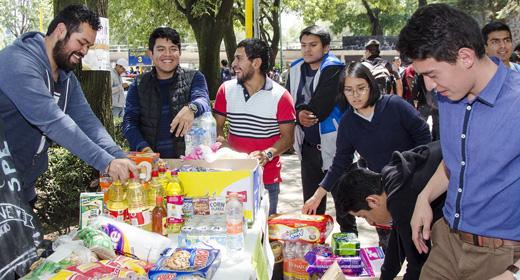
(494, 26)
(73, 16)
(439, 31)
(256, 48)
(357, 70)
(165, 33)
(318, 31)
(224, 62)
(353, 189)
(517, 48)
(373, 47)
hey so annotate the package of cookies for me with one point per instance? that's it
(300, 227)
(186, 263)
(321, 258)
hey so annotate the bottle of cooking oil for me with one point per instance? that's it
(154, 190)
(163, 178)
(117, 205)
(138, 212)
(174, 204)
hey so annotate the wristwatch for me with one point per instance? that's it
(193, 108)
(515, 270)
(269, 155)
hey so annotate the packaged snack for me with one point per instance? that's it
(300, 227)
(217, 205)
(190, 263)
(188, 207)
(97, 241)
(373, 258)
(90, 206)
(132, 241)
(321, 258)
(345, 244)
(201, 205)
(294, 262)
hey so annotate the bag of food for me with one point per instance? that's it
(300, 227)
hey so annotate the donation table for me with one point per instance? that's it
(258, 259)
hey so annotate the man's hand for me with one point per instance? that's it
(125, 85)
(307, 118)
(261, 156)
(310, 206)
(120, 168)
(421, 222)
(183, 120)
(224, 142)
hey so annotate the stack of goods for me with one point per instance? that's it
(321, 258)
(300, 234)
(186, 264)
(90, 253)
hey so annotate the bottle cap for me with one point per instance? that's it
(162, 169)
(155, 173)
(233, 194)
(131, 175)
(174, 173)
(159, 199)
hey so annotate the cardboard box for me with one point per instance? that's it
(245, 179)
(90, 206)
(146, 160)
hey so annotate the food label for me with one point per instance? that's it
(120, 215)
(140, 218)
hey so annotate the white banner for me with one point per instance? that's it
(98, 57)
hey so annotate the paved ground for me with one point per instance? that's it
(290, 200)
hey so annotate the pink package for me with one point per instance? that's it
(373, 258)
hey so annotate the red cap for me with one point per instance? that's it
(159, 199)
(174, 172)
(162, 168)
(155, 173)
(131, 175)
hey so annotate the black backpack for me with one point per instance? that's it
(381, 74)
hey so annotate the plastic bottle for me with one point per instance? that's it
(142, 180)
(159, 217)
(210, 128)
(117, 205)
(234, 226)
(138, 211)
(163, 179)
(174, 203)
(154, 190)
(194, 137)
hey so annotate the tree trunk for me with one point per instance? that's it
(275, 14)
(230, 41)
(95, 84)
(208, 28)
(373, 16)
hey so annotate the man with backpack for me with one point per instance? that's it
(385, 73)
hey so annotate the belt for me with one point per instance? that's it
(483, 241)
(317, 146)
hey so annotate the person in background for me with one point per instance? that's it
(118, 92)
(162, 104)
(374, 126)
(372, 55)
(41, 101)
(285, 74)
(312, 83)
(478, 237)
(388, 198)
(225, 73)
(499, 43)
(397, 63)
(254, 103)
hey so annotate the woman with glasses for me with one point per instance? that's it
(375, 126)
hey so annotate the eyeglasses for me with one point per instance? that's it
(361, 91)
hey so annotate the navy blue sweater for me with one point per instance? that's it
(395, 126)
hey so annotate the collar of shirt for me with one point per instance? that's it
(489, 94)
(268, 85)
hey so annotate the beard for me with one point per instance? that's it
(246, 76)
(62, 58)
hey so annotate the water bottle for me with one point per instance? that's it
(210, 128)
(235, 235)
(194, 137)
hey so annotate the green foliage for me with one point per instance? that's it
(59, 188)
(119, 138)
(20, 16)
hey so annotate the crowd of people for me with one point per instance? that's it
(359, 130)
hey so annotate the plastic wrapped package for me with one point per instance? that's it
(300, 227)
(321, 258)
